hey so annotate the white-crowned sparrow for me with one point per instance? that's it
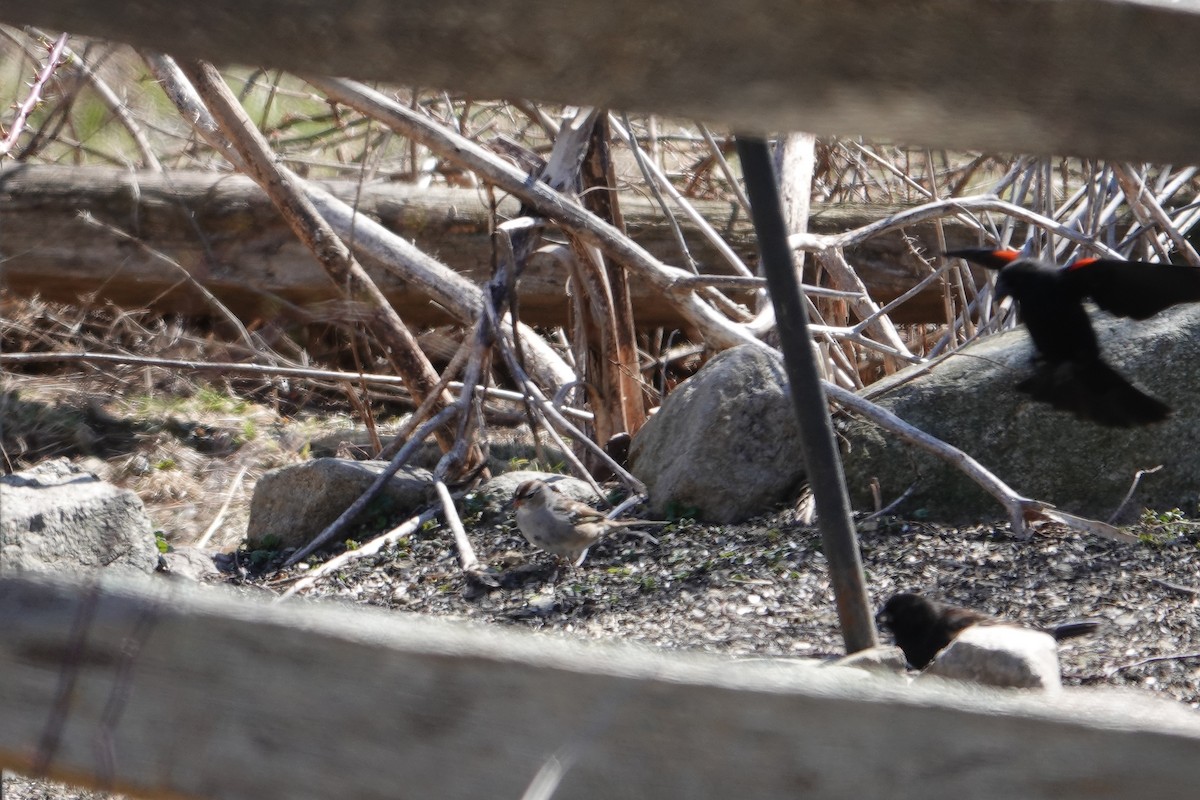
(559, 525)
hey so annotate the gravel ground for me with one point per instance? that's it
(763, 589)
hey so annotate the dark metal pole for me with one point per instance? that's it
(821, 458)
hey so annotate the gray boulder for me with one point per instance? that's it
(57, 516)
(293, 504)
(725, 444)
(970, 400)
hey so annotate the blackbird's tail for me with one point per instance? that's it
(1069, 630)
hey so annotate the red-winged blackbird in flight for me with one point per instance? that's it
(922, 627)
(1071, 375)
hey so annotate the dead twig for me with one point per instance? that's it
(1151, 660)
(1137, 478)
(453, 292)
(401, 531)
(715, 327)
(286, 192)
(1176, 587)
(466, 553)
(234, 485)
(234, 367)
(31, 101)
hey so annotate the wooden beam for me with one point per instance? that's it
(162, 689)
(1112, 78)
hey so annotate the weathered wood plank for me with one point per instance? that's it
(162, 689)
(1111, 78)
(225, 233)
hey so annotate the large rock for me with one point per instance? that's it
(725, 445)
(57, 516)
(292, 504)
(970, 400)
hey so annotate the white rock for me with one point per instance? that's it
(1000, 655)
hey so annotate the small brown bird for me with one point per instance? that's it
(559, 525)
(922, 627)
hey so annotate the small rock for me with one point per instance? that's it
(1000, 655)
(188, 563)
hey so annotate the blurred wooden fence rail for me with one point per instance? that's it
(1111, 78)
(161, 689)
(228, 237)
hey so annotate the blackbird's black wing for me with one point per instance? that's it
(1134, 289)
(1094, 391)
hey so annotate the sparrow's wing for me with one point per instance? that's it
(1136, 289)
(581, 513)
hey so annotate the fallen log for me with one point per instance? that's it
(222, 232)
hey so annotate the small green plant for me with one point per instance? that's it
(269, 542)
(260, 552)
(472, 507)
(160, 541)
(683, 514)
(1150, 517)
(210, 399)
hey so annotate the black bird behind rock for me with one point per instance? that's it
(1071, 375)
(922, 627)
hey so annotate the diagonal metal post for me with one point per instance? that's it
(821, 458)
